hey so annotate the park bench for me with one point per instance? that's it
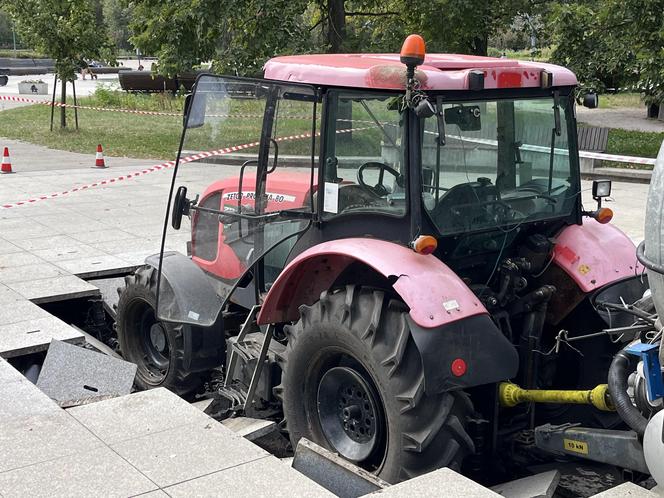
(591, 139)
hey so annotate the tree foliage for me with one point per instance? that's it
(64, 30)
(612, 43)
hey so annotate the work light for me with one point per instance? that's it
(601, 188)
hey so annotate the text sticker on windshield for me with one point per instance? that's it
(331, 197)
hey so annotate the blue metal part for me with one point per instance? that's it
(652, 370)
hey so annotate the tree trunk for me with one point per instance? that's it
(63, 100)
(336, 25)
(480, 44)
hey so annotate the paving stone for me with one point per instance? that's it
(187, 452)
(538, 486)
(73, 376)
(8, 296)
(441, 483)
(142, 413)
(249, 428)
(14, 259)
(95, 266)
(75, 250)
(21, 338)
(334, 473)
(55, 289)
(7, 247)
(41, 243)
(266, 477)
(29, 272)
(98, 236)
(31, 439)
(626, 490)
(94, 473)
(20, 311)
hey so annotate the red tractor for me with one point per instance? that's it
(379, 249)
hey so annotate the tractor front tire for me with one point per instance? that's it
(353, 382)
(156, 347)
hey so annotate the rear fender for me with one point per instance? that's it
(447, 321)
(433, 292)
(595, 255)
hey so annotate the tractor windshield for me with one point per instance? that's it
(242, 192)
(487, 164)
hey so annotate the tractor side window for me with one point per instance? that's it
(364, 158)
(205, 236)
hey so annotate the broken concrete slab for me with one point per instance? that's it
(30, 336)
(538, 486)
(187, 452)
(73, 376)
(142, 413)
(95, 266)
(441, 483)
(249, 428)
(100, 472)
(333, 472)
(626, 490)
(203, 404)
(263, 477)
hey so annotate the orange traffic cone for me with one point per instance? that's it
(6, 162)
(99, 159)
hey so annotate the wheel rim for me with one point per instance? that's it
(154, 349)
(349, 413)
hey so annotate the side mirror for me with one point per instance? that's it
(194, 110)
(180, 207)
(591, 100)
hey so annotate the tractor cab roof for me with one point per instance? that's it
(438, 72)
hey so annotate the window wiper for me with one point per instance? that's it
(556, 131)
(380, 126)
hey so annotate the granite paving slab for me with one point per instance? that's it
(187, 452)
(100, 472)
(441, 483)
(263, 478)
(139, 415)
(29, 336)
(54, 289)
(73, 376)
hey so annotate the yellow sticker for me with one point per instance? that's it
(575, 446)
(583, 269)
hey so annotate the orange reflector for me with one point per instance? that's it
(413, 50)
(424, 244)
(603, 215)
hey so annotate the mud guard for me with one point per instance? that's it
(447, 320)
(595, 255)
(465, 353)
(434, 293)
(188, 292)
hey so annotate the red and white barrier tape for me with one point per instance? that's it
(160, 167)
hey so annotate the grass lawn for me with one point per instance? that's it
(153, 137)
(615, 100)
(633, 143)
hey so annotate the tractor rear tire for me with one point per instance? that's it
(353, 382)
(156, 347)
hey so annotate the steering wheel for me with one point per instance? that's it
(379, 189)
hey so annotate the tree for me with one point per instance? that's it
(64, 30)
(117, 18)
(613, 44)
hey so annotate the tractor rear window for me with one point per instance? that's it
(364, 157)
(497, 163)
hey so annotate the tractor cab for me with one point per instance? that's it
(470, 151)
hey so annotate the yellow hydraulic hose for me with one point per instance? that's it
(511, 395)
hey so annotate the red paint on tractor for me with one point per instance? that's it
(508, 79)
(595, 255)
(425, 283)
(285, 190)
